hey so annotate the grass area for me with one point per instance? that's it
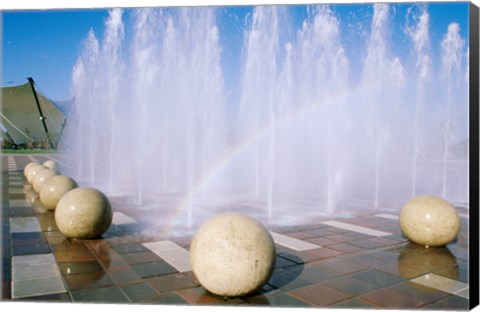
(28, 151)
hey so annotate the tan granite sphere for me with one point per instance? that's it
(28, 166)
(232, 255)
(83, 213)
(429, 221)
(51, 164)
(41, 177)
(32, 172)
(54, 188)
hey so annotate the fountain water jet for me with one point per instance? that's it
(308, 136)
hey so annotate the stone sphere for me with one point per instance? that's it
(28, 166)
(83, 213)
(51, 164)
(232, 255)
(429, 221)
(41, 177)
(54, 188)
(33, 171)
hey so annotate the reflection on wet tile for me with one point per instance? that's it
(111, 294)
(441, 283)
(199, 296)
(24, 224)
(87, 280)
(37, 287)
(72, 268)
(170, 282)
(310, 294)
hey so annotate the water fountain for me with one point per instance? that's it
(307, 136)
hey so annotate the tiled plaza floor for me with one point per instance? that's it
(357, 262)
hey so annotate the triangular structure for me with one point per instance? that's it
(28, 118)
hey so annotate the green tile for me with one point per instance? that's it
(139, 292)
(351, 285)
(111, 294)
(379, 278)
(153, 269)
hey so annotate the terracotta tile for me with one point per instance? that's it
(139, 292)
(199, 296)
(345, 248)
(125, 277)
(379, 278)
(141, 257)
(72, 268)
(322, 241)
(345, 267)
(424, 294)
(390, 299)
(111, 294)
(87, 280)
(319, 295)
(170, 282)
(318, 254)
(354, 304)
(319, 273)
(352, 286)
(278, 300)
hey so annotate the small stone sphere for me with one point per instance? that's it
(429, 221)
(28, 166)
(232, 255)
(54, 188)
(51, 164)
(83, 213)
(33, 171)
(41, 177)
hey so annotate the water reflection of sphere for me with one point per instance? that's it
(232, 255)
(83, 213)
(429, 221)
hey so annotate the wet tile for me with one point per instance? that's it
(172, 253)
(130, 248)
(278, 300)
(72, 268)
(35, 271)
(292, 243)
(54, 298)
(139, 292)
(24, 224)
(352, 286)
(111, 294)
(387, 298)
(345, 248)
(450, 303)
(31, 250)
(37, 287)
(87, 280)
(141, 257)
(286, 280)
(154, 269)
(454, 273)
(441, 283)
(422, 293)
(354, 304)
(356, 228)
(170, 282)
(30, 260)
(199, 296)
(167, 298)
(379, 278)
(400, 269)
(345, 267)
(310, 294)
(322, 241)
(125, 277)
(319, 273)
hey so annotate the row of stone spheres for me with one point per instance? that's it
(80, 213)
(231, 254)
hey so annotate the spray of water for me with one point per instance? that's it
(305, 137)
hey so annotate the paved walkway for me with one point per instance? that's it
(358, 262)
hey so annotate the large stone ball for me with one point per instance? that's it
(51, 164)
(33, 171)
(232, 255)
(83, 213)
(41, 177)
(54, 188)
(429, 221)
(28, 166)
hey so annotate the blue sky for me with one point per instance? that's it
(45, 44)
